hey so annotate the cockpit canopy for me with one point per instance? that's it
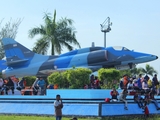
(120, 48)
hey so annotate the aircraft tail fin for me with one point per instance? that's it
(16, 53)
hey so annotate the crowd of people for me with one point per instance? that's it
(14, 84)
(95, 83)
(143, 84)
(142, 88)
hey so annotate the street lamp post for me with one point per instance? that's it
(106, 28)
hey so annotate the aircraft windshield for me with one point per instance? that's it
(120, 48)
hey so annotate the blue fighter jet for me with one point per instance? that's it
(21, 61)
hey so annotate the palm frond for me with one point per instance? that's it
(41, 46)
(58, 34)
(36, 31)
(67, 45)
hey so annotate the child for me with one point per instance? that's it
(114, 93)
(146, 111)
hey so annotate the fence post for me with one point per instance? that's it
(100, 110)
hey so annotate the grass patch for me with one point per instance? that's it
(28, 117)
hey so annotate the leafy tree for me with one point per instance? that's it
(56, 34)
(9, 30)
(148, 70)
(123, 72)
(135, 71)
(109, 77)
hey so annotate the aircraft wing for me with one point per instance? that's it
(49, 71)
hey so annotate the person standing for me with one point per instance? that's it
(58, 105)
(123, 96)
(156, 83)
(42, 85)
(35, 87)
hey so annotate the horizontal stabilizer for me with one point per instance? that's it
(17, 62)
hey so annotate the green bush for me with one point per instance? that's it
(30, 80)
(57, 78)
(109, 77)
(78, 77)
(73, 78)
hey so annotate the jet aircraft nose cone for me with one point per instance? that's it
(156, 57)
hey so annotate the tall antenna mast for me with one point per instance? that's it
(105, 27)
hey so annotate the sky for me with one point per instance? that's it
(135, 23)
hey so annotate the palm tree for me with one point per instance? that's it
(148, 70)
(135, 71)
(54, 34)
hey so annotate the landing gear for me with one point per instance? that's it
(131, 65)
